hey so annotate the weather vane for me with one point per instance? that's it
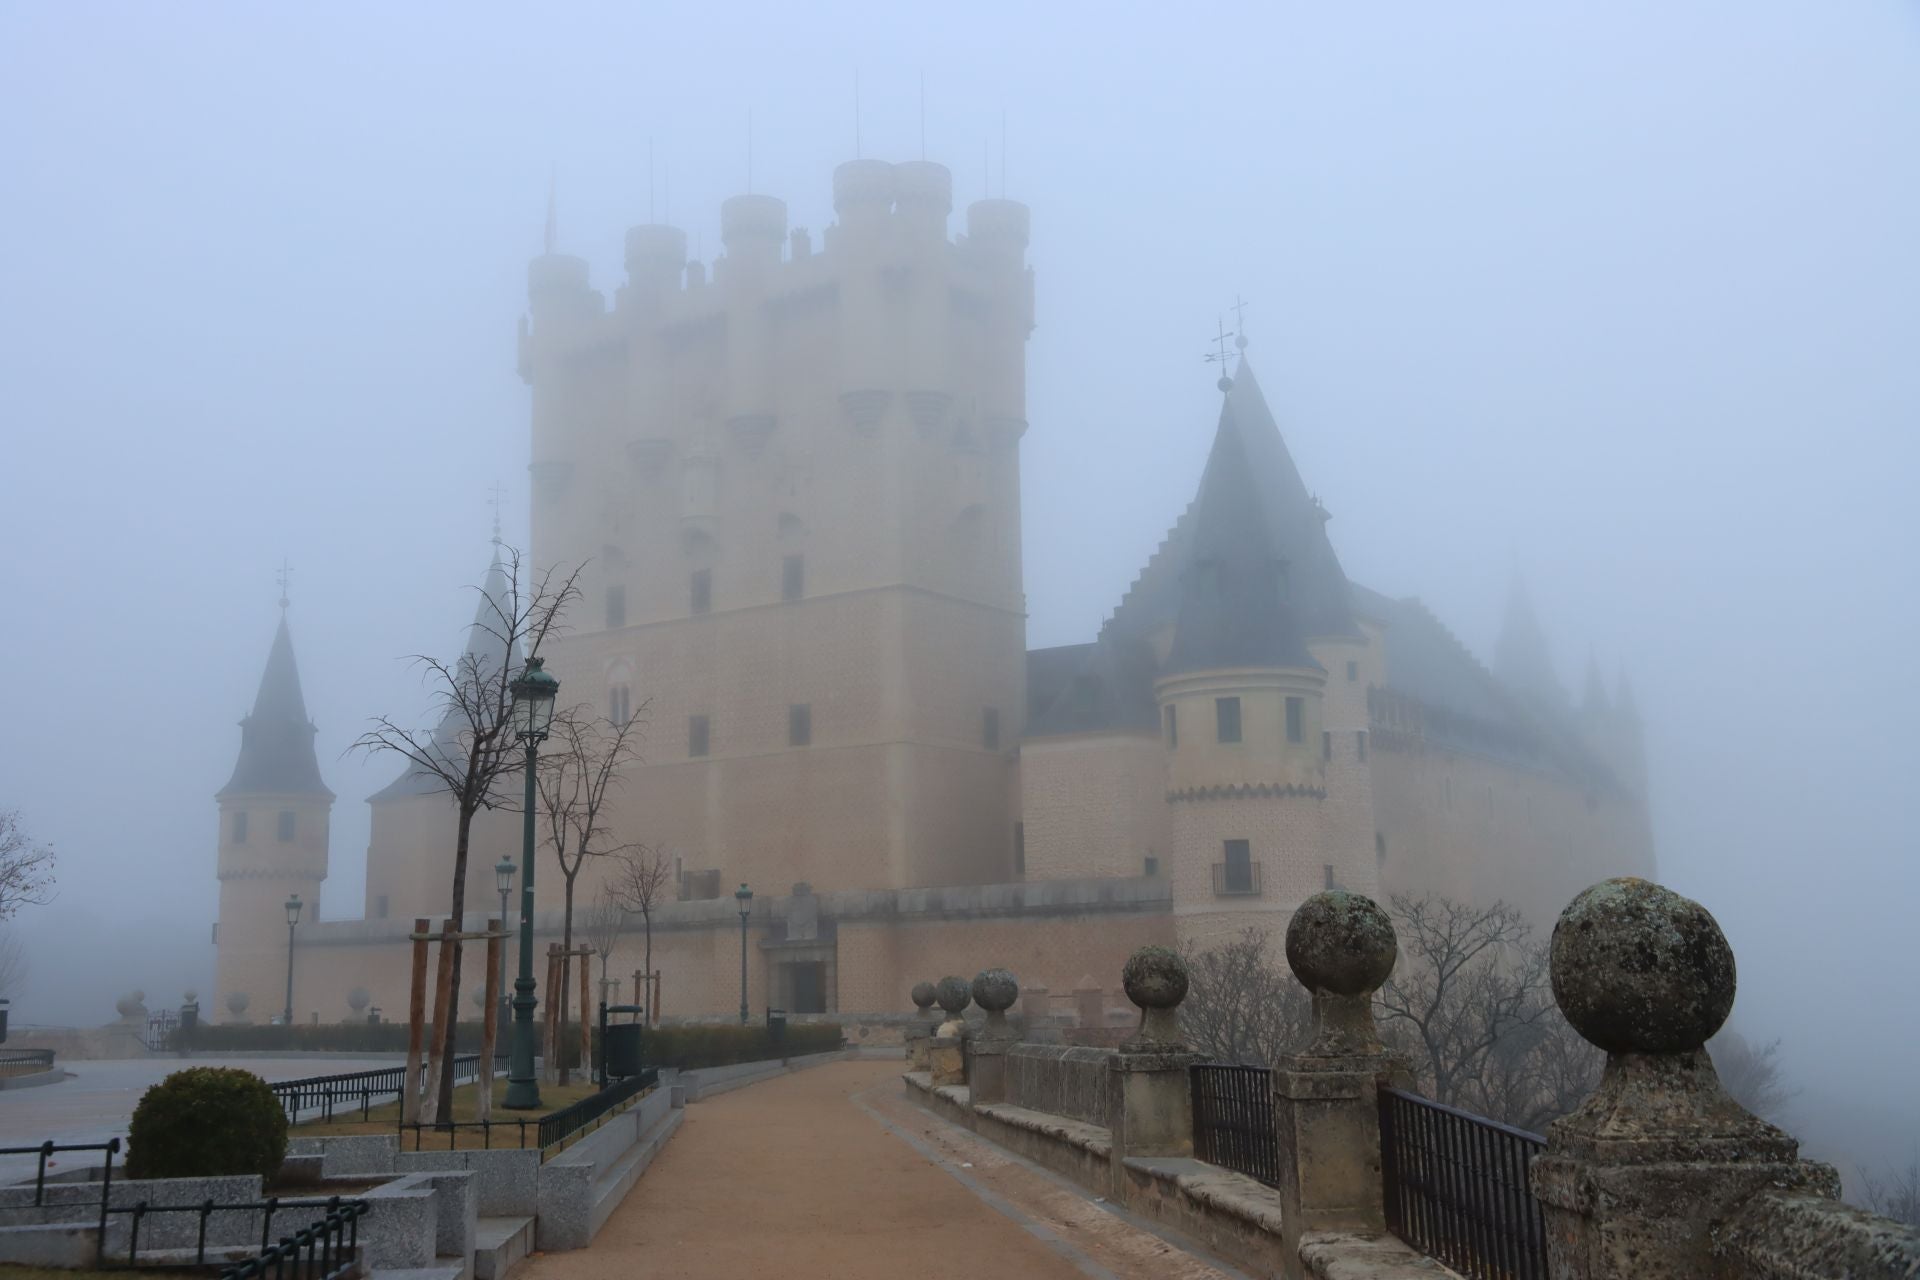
(282, 578)
(1219, 354)
(1240, 321)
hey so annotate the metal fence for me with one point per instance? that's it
(20, 1062)
(358, 1087)
(564, 1123)
(1459, 1188)
(1233, 1119)
(138, 1213)
(325, 1250)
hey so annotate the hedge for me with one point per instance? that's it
(719, 1044)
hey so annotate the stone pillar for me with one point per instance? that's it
(1638, 1179)
(1036, 1005)
(1089, 1004)
(994, 990)
(1149, 1097)
(947, 1050)
(1326, 1098)
(922, 1031)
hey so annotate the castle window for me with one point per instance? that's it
(1331, 882)
(1360, 742)
(700, 591)
(696, 735)
(286, 826)
(619, 704)
(1296, 719)
(1173, 725)
(990, 728)
(1326, 746)
(1152, 866)
(1353, 671)
(799, 724)
(1236, 874)
(380, 907)
(793, 578)
(1226, 719)
(1379, 849)
(1019, 848)
(616, 606)
(240, 827)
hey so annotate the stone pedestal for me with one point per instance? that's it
(1640, 1179)
(1150, 1101)
(917, 1050)
(987, 1070)
(946, 1059)
(1327, 1112)
(995, 991)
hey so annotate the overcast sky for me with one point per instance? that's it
(1626, 296)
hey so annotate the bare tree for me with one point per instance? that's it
(1243, 1004)
(601, 925)
(1751, 1073)
(1895, 1193)
(585, 758)
(26, 866)
(639, 885)
(472, 753)
(13, 966)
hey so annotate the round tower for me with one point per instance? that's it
(274, 813)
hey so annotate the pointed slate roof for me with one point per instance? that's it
(1521, 656)
(1237, 606)
(485, 652)
(276, 738)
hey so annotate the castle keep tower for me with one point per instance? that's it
(795, 486)
(273, 837)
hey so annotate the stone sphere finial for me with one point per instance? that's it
(1155, 979)
(1341, 943)
(237, 1002)
(924, 994)
(995, 990)
(954, 995)
(1639, 969)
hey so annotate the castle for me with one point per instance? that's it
(795, 488)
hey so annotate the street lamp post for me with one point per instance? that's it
(503, 874)
(743, 896)
(533, 694)
(293, 918)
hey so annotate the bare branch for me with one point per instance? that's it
(26, 866)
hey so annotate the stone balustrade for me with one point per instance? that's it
(1658, 1174)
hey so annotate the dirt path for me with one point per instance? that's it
(830, 1173)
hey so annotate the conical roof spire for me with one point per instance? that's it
(1521, 657)
(1238, 586)
(276, 739)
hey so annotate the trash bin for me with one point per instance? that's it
(777, 1031)
(622, 1049)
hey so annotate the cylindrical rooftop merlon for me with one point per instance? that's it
(748, 224)
(655, 254)
(923, 189)
(862, 187)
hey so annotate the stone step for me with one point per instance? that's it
(451, 1270)
(500, 1243)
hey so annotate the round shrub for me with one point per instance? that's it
(207, 1122)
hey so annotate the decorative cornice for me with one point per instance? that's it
(1247, 791)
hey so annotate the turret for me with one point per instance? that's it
(274, 814)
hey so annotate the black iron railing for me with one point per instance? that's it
(1233, 1119)
(324, 1250)
(108, 1149)
(1459, 1188)
(1236, 879)
(564, 1123)
(358, 1087)
(349, 1211)
(454, 1128)
(20, 1062)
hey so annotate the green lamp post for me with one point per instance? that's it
(533, 695)
(503, 876)
(293, 918)
(743, 896)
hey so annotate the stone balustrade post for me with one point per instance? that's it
(1149, 1096)
(1326, 1097)
(1640, 1178)
(922, 1032)
(946, 1052)
(994, 990)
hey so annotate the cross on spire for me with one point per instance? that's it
(1219, 354)
(282, 578)
(496, 501)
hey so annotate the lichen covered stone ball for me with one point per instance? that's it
(1639, 969)
(1341, 942)
(924, 995)
(1155, 978)
(954, 995)
(995, 990)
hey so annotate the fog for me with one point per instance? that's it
(1625, 298)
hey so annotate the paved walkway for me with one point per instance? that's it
(829, 1172)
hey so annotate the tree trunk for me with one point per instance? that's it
(566, 967)
(653, 995)
(459, 923)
